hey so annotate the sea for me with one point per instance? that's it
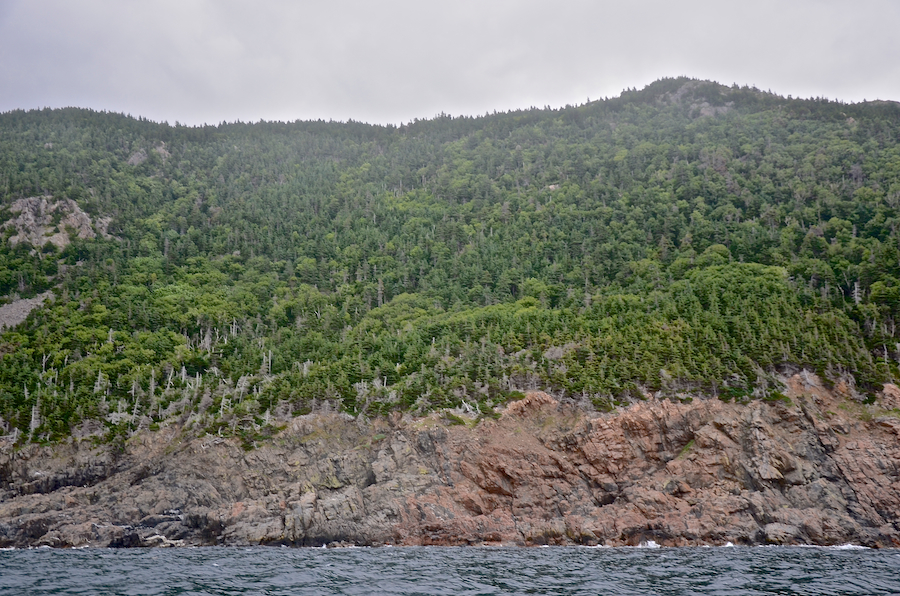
(646, 570)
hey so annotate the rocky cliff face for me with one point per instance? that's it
(39, 220)
(823, 469)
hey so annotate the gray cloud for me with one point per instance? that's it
(207, 61)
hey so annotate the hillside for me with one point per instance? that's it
(686, 240)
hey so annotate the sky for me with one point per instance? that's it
(391, 61)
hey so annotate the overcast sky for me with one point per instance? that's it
(199, 61)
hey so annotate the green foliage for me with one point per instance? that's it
(776, 396)
(685, 450)
(685, 238)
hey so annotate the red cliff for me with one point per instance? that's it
(822, 469)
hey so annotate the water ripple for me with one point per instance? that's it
(457, 571)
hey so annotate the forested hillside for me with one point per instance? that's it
(687, 239)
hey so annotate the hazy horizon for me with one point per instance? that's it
(426, 118)
(205, 61)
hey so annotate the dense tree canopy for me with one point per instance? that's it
(686, 239)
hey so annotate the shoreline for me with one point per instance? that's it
(816, 471)
(651, 546)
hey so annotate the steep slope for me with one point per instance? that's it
(818, 469)
(684, 240)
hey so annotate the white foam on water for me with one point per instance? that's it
(649, 544)
(819, 546)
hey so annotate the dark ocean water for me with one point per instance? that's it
(457, 571)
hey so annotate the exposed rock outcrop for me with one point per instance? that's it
(18, 310)
(822, 469)
(40, 220)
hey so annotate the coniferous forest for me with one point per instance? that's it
(685, 240)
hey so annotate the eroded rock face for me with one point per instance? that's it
(17, 311)
(821, 470)
(39, 220)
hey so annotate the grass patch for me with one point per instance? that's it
(776, 396)
(454, 420)
(684, 450)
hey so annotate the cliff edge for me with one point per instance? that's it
(819, 469)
